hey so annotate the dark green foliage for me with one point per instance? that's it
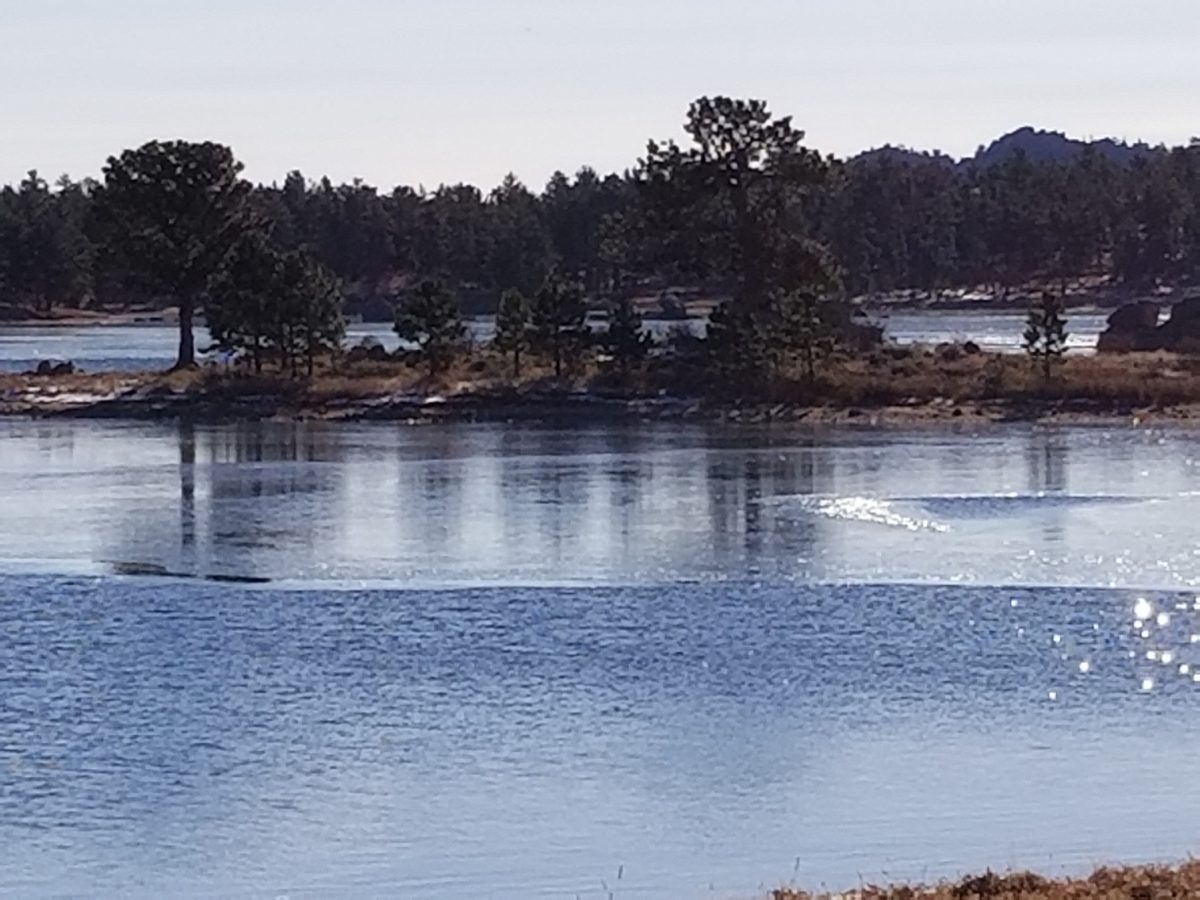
(626, 341)
(1046, 333)
(46, 258)
(312, 303)
(737, 344)
(727, 206)
(749, 349)
(171, 212)
(429, 317)
(519, 251)
(270, 304)
(743, 211)
(806, 329)
(243, 300)
(512, 327)
(558, 328)
(742, 197)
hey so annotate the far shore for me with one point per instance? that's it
(1092, 299)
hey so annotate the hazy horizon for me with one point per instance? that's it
(467, 92)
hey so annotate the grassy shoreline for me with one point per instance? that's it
(1125, 883)
(892, 386)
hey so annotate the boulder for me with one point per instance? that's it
(50, 367)
(1186, 310)
(368, 350)
(1181, 332)
(1133, 327)
(1141, 315)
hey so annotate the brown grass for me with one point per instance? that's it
(1133, 380)
(900, 381)
(1136, 883)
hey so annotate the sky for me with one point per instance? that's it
(425, 92)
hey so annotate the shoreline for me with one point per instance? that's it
(156, 397)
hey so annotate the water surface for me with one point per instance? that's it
(667, 661)
(132, 348)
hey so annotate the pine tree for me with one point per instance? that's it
(512, 327)
(283, 304)
(315, 296)
(626, 341)
(241, 301)
(1046, 333)
(805, 330)
(429, 317)
(558, 321)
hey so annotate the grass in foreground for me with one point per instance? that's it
(1134, 883)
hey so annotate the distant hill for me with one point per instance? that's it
(1037, 145)
(1054, 146)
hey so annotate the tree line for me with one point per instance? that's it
(741, 209)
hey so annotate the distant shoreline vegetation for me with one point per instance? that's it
(776, 236)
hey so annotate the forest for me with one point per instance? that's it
(891, 220)
(743, 212)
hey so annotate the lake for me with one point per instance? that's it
(131, 348)
(666, 661)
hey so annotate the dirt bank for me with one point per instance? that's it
(865, 397)
(1135, 883)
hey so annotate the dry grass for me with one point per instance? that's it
(892, 379)
(1116, 382)
(1136, 883)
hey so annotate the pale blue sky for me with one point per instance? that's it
(409, 91)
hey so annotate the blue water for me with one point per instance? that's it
(673, 661)
(132, 348)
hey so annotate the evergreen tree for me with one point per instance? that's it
(1046, 333)
(172, 212)
(313, 297)
(626, 342)
(429, 317)
(270, 303)
(512, 327)
(45, 254)
(806, 330)
(558, 326)
(518, 249)
(242, 302)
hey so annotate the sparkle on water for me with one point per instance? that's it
(507, 661)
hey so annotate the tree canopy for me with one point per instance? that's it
(171, 213)
(737, 209)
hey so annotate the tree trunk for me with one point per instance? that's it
(558, 355)
(187, 340)
(516, 363)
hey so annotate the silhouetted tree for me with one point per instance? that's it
(428, 316)
(512, 327)
(268, 302)
(1046, 333)
(241, 308)
(172, 212)
(626, 341)
(558, 328)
